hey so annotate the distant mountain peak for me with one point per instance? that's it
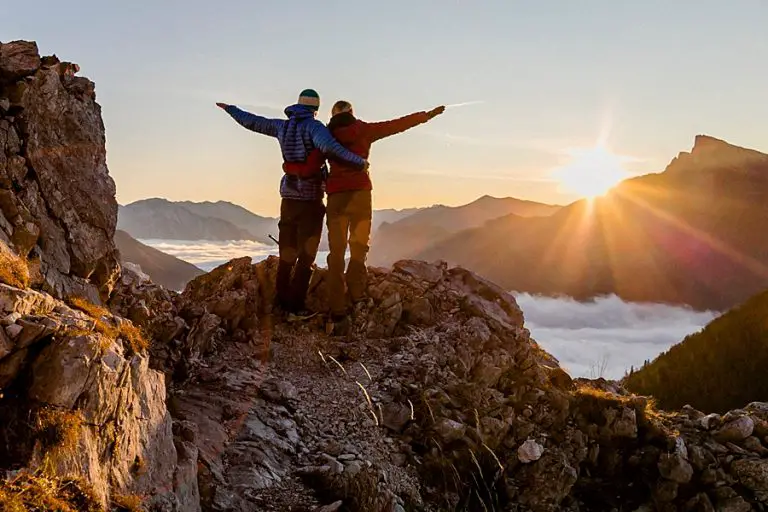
(710, 152)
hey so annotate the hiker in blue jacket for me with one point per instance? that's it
(304, 143)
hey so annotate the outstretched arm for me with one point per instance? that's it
(386, 128)
(253, 122)
(324, 141)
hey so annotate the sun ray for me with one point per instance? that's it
(746, 261)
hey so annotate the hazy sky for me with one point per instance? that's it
(552, 75)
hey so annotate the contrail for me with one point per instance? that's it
(464, 104)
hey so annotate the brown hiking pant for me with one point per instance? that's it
(301, 226)
(349, 220)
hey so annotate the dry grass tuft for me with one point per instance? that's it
(101, 317)
(14, 270)
(104, 324)
(588, 391)
(56, 428)
(126, 503)
(134, 336)
(35, 491)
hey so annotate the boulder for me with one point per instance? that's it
(736, 430)
(17, 60)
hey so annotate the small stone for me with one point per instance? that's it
(5, 104)
(709, 476)
(353, 468)
(10, 319)
(288, 390)
(675, 468)
(395, 416)
(736, 430)
(333, 507)
(530, 451)
(331, 447)
(347, 456)
(753, 444)
(450, 430)
(334, 465)
(666, 491)
(700, 503)
(709, 421)
(13, 331)
(399, 459)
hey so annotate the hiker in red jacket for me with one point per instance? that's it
(349, 208)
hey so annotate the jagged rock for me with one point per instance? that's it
(674, 467)
(6, 344)
(709, 421)
(449, 430)
(735, 504)
(24, 302)
(753, 474)
(60, 374)
(530, 451)
(395, 416)
(13, 331)
(17, 60)
(430, 273)
(700, 503)
(66, 205)
(333, 507)
(10, 367)
(666, 491)
(32, 332)
(736, 430)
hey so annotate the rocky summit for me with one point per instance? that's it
(57, 200)
(117, 394)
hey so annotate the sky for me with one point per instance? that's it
(546, 79)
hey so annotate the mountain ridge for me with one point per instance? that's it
(671, 228)
(416, 232)
(166, 270)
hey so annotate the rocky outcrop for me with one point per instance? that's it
(438, 399)
(83, 419)
(57, 200)
(77, 399)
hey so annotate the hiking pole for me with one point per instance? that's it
(274, 239)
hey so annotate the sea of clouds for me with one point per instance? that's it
(607, 336)
(600, 338)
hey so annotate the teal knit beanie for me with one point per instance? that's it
(310, 98)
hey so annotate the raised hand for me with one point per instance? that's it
(436, 111)
(222, 105)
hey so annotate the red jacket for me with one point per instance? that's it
(357, 136)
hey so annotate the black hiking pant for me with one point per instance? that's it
(301, 226)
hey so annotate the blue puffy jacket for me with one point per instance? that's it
(298, 136)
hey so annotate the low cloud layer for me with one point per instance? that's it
(607, 336)
(590, 339)
(208, 255)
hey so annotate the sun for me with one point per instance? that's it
(592, 172)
